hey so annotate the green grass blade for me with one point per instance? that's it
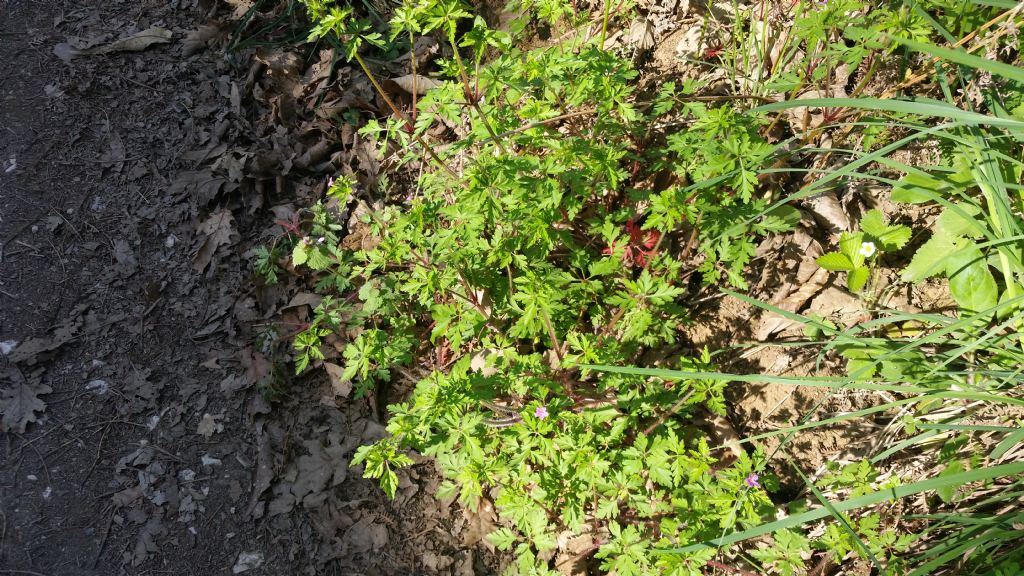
(827, 504)
(889, 495)
(920, 107)
(962, 57)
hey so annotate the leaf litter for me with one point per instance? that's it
(134, 43)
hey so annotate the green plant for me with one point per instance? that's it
(546, 247)
(546, 250)
(973, 353)
(858, 251)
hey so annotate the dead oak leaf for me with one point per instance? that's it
(146, 543)
(19, 405)
(218, 230)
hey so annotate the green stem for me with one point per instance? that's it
(604, 25)
(412, 58)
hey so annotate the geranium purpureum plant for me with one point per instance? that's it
(556, 237)
(545, 250)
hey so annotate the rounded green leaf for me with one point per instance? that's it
(971, 281)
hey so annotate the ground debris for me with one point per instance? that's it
(19, 401)
(217, 230)
(134, 43)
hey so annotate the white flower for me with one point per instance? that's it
(867, 249)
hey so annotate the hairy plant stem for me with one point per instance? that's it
(412, 59)
(554, 337)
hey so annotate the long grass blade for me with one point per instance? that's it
(888, 495)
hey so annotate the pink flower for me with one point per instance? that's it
(751, 481)
(541, 412)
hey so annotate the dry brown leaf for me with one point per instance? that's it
(692, 45)
(573, 552)
(342, 387)
(835, 303)
(421, 84)
(218, 231)
(240, 7)
(641, 33)
(19, 404)
(774, 322)
(828, 211)
(304, 299)
(134, 43)
(200, 39)
(364, 536)
(147, 541)
(479, 523)
(257, 367)
(209, 425)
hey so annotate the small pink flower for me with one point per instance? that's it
(541, 412)
(751, 481)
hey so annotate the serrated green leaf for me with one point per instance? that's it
(929, 259)
(947, 492)
(857, 279)
(835, 262)
(300, 253)
(896, 237)
(887, 237)
(850, 244)
(873, 223)
(959, 220)
(502, 538)
(318, 259)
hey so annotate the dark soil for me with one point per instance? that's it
(138, 434)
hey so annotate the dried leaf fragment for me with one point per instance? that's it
(135, 43)
(200, 39)
(342, 386)
(415, 82)
(218, 231)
